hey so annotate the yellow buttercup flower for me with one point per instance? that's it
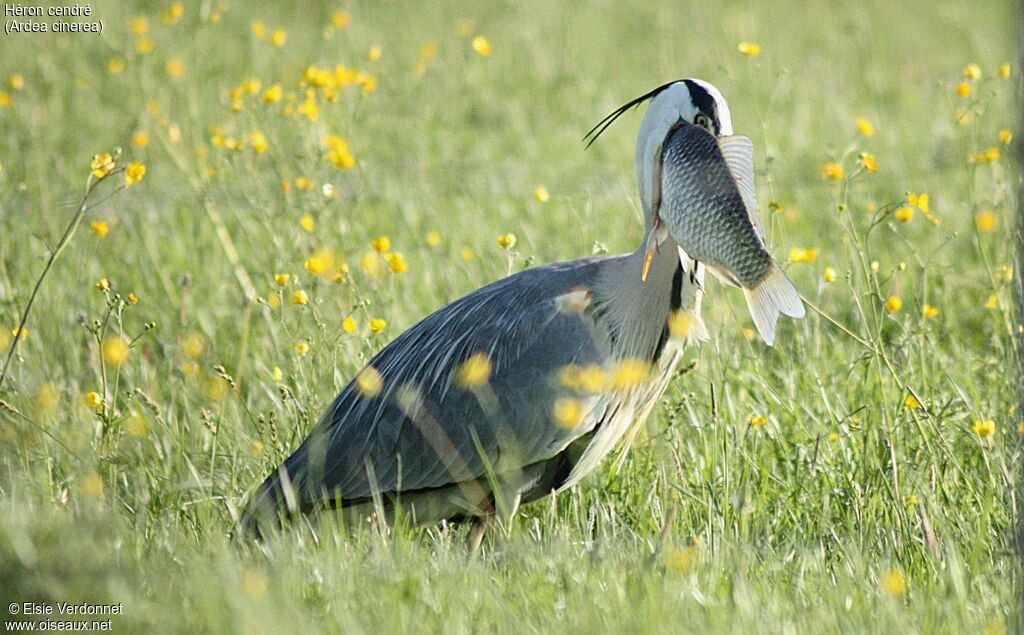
(282, 278)
(893, 583)
(865, 127)
(894, 304)
(972, 71)
(16, 81)
(829, 275)
(194, 345)
(911, 402)
(756, 421)
(101, 165)
(396, 262)
(339, 19)
(593, 379)
(920, 201)
(349, 324)
(277, 374)
(307, 223)
(984, 156)
(377, 325)
(1004, 70)
(103, 285)
(750, 49)
(507, 241)
(432, 239)
(474, 372)
(963, 89)
(144, 46)
(94, 400)
(369, 382)
(99, 228)
(374, 53)
(904, 214)
(132, 298)
(800, 255)
(319, 263)
(428, 51)
(568, 413)
(1005, 136)
(986, 221)
(139, 25)
(300, 297)
(930, 311)
(273, 94)
(46, 398)
(381, 244)
(540, 194)
(258, 142)
(867, 161)
(984, 428)
(301, 348)
(216, 388)
(5, 100)
(992, 302)
(115, 351)
(134, 173)
(140, 139)
(370, 264)
(683, 324)
(175, 68)
(629, 373)
(911, 501)
(481, 46)
(832, 171)
(174, 13)
(259, 29)
(115, 65)
(279, 37)
(1004, 273)
(468, 254)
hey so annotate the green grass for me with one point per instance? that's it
(708, 524)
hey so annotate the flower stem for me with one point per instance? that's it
(64, 240)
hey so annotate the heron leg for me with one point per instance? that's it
(476, 535)
(502, 516)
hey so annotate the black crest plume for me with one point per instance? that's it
(602, 125)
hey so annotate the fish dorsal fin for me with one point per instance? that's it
(738, 152)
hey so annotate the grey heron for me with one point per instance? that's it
(518, 389)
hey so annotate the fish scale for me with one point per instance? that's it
(706, 214)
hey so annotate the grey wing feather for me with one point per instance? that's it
(424, 432)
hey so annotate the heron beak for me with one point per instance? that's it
(655, 237)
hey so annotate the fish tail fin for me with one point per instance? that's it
(772, 296)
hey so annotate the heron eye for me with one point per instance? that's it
(703, 121)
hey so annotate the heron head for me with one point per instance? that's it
(689, 102)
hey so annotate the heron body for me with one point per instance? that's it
(575, 356)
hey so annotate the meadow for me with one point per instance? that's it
(318, 179)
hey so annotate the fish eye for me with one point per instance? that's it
(703, 121)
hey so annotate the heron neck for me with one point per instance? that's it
(638, 309)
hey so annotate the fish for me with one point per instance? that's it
(708, 206)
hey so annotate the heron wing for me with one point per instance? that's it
(423, 430)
